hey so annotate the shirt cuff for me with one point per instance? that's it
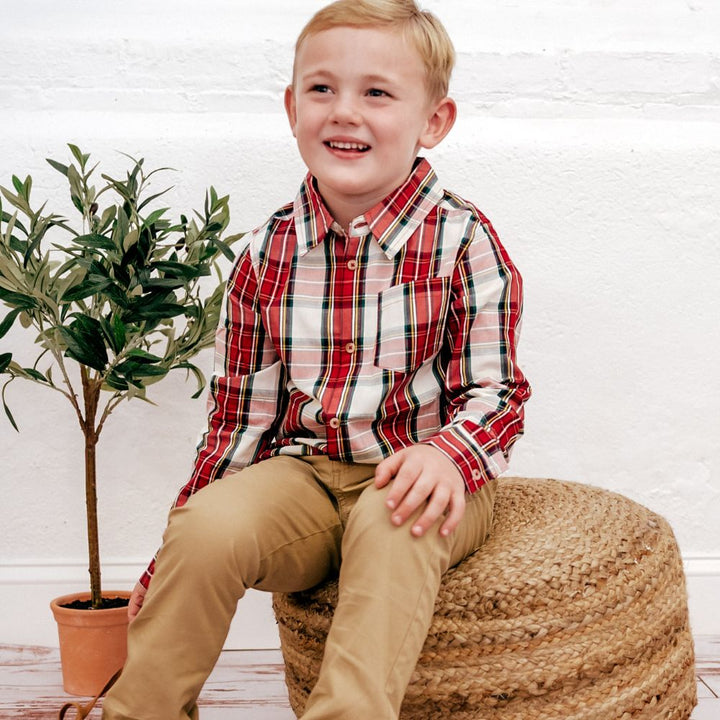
(475, 451)
(147, 575)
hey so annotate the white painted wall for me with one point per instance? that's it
(589, 134)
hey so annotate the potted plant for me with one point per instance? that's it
(116, 301)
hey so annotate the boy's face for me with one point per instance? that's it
(360, 112)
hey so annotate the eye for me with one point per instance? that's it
(319, 88)
(376, 92)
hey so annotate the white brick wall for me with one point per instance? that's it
(589, 134)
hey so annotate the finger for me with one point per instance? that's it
(386, 470)
(132, 612)
(455, 514)
(403, 484)
(415, 493)
(137, 598)
(436, 506)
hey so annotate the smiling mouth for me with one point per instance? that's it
(348, 146)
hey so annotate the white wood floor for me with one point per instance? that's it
(246, 685)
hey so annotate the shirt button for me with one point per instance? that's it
(476, 475)
(334, 423)
(352, 265)
(350, 348)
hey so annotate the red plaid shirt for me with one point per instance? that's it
(355, 346)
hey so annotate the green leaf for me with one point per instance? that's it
(129, 241)
(74, 278)
(75, 150)
(177, 269)
(94, 241)
(168, 283)
(154, 216)
(143, 356)
(92, 285)
(36, 237)
(150, 371)
(58, 166)
(119, 332)
(7, 323)
(76, 187)
(35, 374)
(85, 344)
(19, 202)
(148, 200)
(18, 300)
(107, 217)
(6, 218)
(5, 359)
(158, 311)
(226, 251)
(7, 409)
(195, 370)
(107, 329)
(116, 383)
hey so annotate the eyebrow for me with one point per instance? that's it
(371, 79)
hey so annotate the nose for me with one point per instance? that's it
(345, 110)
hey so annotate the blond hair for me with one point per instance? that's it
(421, 28)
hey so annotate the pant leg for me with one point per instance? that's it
(270, 526)
(388, 585)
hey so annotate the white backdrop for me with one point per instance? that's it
(589, 134)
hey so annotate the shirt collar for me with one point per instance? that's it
(392, 221)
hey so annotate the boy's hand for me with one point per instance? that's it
(136, 601)
(422, 474)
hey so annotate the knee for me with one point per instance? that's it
(206, 532)
(370, 522)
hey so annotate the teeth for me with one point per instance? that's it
(347, 145)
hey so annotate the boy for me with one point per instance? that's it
(365, 393)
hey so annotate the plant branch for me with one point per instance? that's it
(71, 395)
(111, 404)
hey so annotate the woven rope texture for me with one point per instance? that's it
(575, 609)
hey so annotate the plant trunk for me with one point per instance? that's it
(91, 396)
(92, 521)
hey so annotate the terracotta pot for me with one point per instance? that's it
(93, 643)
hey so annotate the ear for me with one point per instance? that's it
(291, 108)
(440, 121)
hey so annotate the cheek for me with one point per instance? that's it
(307, 123)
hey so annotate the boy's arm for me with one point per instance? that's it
(244, 390)
(484, 389)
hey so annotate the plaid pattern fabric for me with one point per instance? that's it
(357, 345)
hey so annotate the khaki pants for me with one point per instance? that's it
(283, 525)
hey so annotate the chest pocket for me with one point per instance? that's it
(411, 323)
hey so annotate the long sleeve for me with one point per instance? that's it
(484, 387)
(244, 394)
(245, 386)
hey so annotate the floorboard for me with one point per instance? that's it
(245, 685)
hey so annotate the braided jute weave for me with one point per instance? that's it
(575, 609)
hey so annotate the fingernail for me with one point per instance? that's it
(397, 520)
(417, 530)
(391, 504)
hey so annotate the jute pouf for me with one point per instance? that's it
(575, 609)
